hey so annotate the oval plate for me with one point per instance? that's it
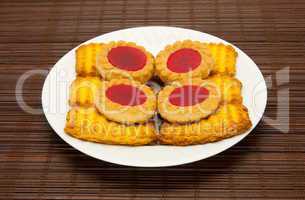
(153, 38)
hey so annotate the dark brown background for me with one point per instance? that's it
(36, 164)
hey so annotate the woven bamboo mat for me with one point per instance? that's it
(268, 164)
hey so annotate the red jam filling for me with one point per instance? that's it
(188, 95)
(127, 58)
(126, 95)
(184, 60)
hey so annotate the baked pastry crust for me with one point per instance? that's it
(88, 124)
(109, 72)
(202, 71)
(127, 114)
(183, 114)
(228, 121)
(230, 88)
(86, 59)
(84, 91)
(224, 57)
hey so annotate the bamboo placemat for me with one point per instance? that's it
(268, 164)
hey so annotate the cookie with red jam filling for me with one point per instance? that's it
(184, 59)
(188, 100)
(125, 101)
(128, 60)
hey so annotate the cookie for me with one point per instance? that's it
(224, 57)
(228, 121)
(230, 88)
(127, 60)
(125, 101)
(88, 124)
(84, 91)
(188, 100)
(86, 59)
(184, 59)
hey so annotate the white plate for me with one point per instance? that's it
(153, 38)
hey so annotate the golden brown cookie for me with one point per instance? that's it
(224, 57)
(229, 87)
(188, 100)
(184, 59)
(127, 60)
(88, 124)
(86, 59)
(126, 101)
(228, 121)
(84, 91)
